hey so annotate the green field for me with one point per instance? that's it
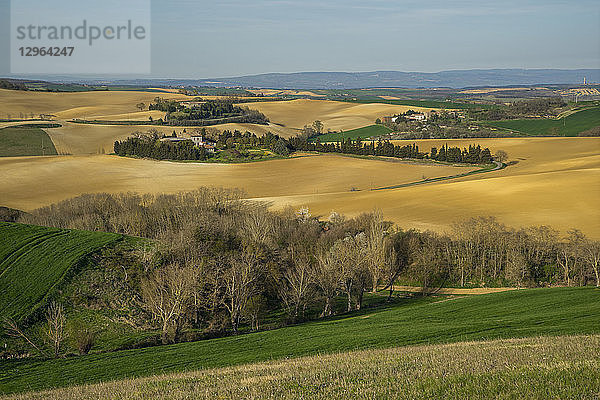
(558, 367)
(363, 133)
(429, 320)
(35, 260)
(571, 125)
(25, 141)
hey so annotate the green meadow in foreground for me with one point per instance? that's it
(25, 141)
(35, 260)
(570, 125)
(563, 367)
(518, 313)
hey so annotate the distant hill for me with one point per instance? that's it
(357, 80)
(452, 79)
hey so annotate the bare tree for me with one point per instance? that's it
(591, 255)
(11, 328)
(241, 283)
(295, 287)
(167, 293)
(501, 156)
(55, 327)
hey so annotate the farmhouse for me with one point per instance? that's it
(173, 139)
(200, 141)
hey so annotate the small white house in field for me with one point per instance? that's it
(173, 139)
(417, 117)
(201, 142)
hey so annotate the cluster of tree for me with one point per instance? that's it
(150, 146)
(165, 105)
(207, 112)
(220, 263)
(12, 85)
(521, 109)
(473, 155)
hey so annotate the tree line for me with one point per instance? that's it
(472, 155)
(219, 263)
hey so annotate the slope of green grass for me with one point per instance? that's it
(560, 367)
(571, 125)
(25, 141)
(34, 260)
(520, 313)
(363, 133)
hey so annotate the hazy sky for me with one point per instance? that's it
(201, 39)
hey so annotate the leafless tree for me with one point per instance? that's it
(591, 255)
(168, 293)
(241, 283)
(12, 329)
(55, 327)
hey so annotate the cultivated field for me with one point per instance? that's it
(87, 105)
(421, 320)
(307, 175)
(34, 260)
(564, 367)
(555, 182)
(334, 114)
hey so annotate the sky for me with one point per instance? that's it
(204, 39)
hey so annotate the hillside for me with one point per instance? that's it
(35, 260)
(570, 125)
(25, 141)
(515, 368)
(513, 314)
(349, 80)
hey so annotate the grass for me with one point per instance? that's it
(534, 368)
(363, 133)
(513, 314)
(570, 125)
(35, 260)
(25, 141)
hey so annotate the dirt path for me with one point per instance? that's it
(454, 291)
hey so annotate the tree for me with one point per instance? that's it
(295, 287)
(591, 255)
(318, 127)
(378, 249)
(140, 106)
(501, 156)
(167, 293)
(55, 327)
(241, 284)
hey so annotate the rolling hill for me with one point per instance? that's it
(429, 320)
(35, 260)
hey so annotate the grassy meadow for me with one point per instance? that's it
(25, 141)
(413, 320)
(563, 367)
(363, 133)
(570, 125)
(35, 260)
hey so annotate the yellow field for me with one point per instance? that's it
(88, 105)
(50, 179)
(334, 114)
(555, 181)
